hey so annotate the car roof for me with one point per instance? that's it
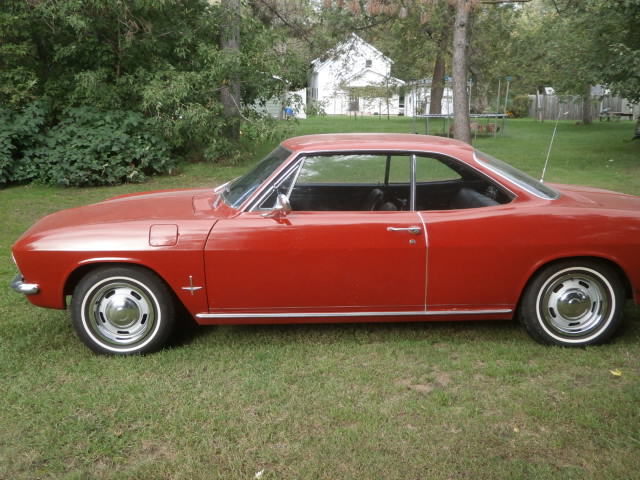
(375, 141)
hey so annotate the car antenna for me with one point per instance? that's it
(544, 169)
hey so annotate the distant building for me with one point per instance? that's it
(293, 105)
(354, 76)
(417, 99)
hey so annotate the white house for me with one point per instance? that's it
(355, 76)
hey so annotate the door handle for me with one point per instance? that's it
(411, 230)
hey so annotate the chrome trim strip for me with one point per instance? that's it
(353, 314)
(25, 288)
(514, 181)
(426, 265)
(412, 183)
(251, 204)
(276, 184)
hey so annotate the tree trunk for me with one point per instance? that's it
(461, 127)
(586, 106)
(437, 82)
(230, 91)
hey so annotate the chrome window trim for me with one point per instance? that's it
(426, 313)
(412, 183)
(521, 185)
(252, 202)
(276, 183)
(265, 185)
(426, 245)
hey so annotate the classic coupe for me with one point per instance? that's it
(342, 228)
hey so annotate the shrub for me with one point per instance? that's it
(86, 147)
(519, 107)
(19, 133)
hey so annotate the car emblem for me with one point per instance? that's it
(191, 288)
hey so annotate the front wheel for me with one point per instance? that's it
(122, 311)
(573, 303)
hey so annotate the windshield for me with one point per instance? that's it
(241, 188)
(514, 175)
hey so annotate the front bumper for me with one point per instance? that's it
(25, 288)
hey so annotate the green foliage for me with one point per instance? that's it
(19, 133)
(570, 45)
(519, 106)
(161, 59)
(315, 108)
(87, 147)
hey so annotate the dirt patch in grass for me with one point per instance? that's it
(440, 381)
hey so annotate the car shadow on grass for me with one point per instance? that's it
(456, 332)
(357, 333)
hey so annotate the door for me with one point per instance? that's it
(317, 262)
(350, 244)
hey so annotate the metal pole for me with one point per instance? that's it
(553, 136)
(506, 101)
(506, 97)
(498, 97)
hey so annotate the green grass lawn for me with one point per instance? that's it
(376, 401)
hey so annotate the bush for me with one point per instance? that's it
(86, 147)
(519, 107)
(19, 133)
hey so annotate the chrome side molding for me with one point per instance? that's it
(355, 314)
(25, 288)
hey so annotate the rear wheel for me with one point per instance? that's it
(122, 311)
(573, 303)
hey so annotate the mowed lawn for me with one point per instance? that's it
(367, 401)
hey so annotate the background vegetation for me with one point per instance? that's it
(156, 82)
(106, 92)
(393, 401)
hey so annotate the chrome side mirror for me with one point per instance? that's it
(280, 209)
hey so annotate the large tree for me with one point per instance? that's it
(182, 64)
(573, 45)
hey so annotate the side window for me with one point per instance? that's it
(429, 169)
(443, 183)
(343, 169)
(352, 182)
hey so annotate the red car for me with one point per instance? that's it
(343, 228)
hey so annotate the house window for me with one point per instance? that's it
(368, 63)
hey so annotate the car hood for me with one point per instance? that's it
(598, 197)
(144, 209)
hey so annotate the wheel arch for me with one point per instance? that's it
(83, 270)
(626, 282)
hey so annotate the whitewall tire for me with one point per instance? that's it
(573, 303)
(122, 311)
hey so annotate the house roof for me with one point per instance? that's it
(354, 39)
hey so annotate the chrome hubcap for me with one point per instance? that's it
(575, 302)
(120, 313)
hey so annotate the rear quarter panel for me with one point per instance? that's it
(485, 256)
